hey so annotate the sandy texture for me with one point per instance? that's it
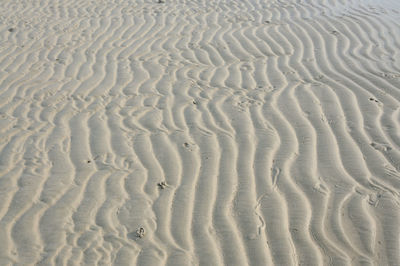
(199, 132)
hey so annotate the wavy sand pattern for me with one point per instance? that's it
(197, 132)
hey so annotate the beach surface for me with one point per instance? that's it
(199, 132)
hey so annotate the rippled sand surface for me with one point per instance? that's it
(199, 132)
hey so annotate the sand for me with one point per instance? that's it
(199, 132)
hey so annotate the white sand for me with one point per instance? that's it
(274, 125)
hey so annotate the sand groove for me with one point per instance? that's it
(199, 132)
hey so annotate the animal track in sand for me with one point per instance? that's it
(390, 75)
(373, 100)
(189, 146)
(162, 185)
(140, 232)
(381, 147)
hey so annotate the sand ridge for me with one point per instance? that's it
(255, 132)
